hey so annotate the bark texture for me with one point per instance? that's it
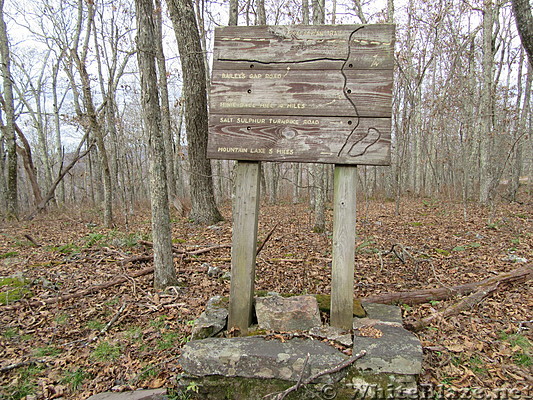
(233, 12)
(524, 21)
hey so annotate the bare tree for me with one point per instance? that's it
(486, 132)
(164, 271)
(9, 109)
(204, 209)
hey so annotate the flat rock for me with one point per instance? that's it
(383, 312)
(389, 349)
(287, 313)
(154, 394)
(332, 333)
(359, 323)
(255, 357)
(212, 321)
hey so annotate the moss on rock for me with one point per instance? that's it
(324, 302)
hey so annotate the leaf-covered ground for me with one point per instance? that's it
(74, 355)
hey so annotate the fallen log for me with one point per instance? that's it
(464, 304)
(519, 275)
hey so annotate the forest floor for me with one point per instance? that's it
(65, 350)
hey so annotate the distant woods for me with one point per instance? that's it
(73, 134)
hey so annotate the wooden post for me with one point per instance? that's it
(244, 242)
(343, 252)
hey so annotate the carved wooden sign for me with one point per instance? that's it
(302, 93)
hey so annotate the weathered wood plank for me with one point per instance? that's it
(343, 251)
(275, 87)
(367, 93)
(244, 241)
(305, 47)
(339, 140)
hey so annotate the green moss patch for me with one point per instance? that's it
(324, 305)
(9, 254)
(13, 288)
(10, 296)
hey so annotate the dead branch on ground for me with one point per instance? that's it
(108, 326)
(265, 240)
(11, 367)
(190, 253)
(301, 382)
(32, 240)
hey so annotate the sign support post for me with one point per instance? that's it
(343, 252)
(244, 242)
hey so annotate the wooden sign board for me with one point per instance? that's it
(302, 93)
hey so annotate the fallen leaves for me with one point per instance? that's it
(482, 346)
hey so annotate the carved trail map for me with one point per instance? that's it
(302, 93)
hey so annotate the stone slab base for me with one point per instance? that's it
(154, 394)
(353, 387)
(250, 368)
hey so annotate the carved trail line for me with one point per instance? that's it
(356, 125)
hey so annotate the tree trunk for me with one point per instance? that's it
(261, 13)
(9, 131)
(97, 130)
(485, 131)
(204, 209)
(305, 12)
(359, 11)
(319, 12)
(390, 11)
(165, 106)
(319, 225)
(296, 183)
(58, 159)
(524, 21)
(233, 12)
(31, 171)
(164, 271)
(178, 170)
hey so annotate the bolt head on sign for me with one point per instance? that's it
(314, 93)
